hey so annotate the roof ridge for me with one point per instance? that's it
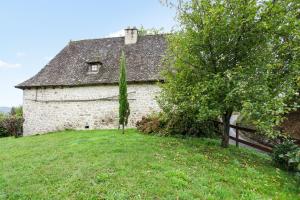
(119, 37)
(82, 40)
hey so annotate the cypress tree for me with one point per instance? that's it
(123, 101)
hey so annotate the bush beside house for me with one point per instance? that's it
(185, 124)
(12, 124)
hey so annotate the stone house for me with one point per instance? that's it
(78, 88)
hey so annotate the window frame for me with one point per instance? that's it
(94, 68)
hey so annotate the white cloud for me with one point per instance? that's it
(119, 33)
(21, 54)
(5, 65)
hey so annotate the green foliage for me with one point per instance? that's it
(287, 155)
(11, 125)
(177, 124)
(124, 110)
(106, 165)
(187, 124)
(3, 130)
(151, 31)
(2, 115)
(233, 55)
(17, 111)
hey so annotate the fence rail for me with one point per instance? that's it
(237, 139)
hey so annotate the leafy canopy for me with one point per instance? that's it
(234, 55)
(150, 31)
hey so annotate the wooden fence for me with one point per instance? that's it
(237, 139)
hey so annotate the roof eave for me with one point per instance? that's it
(23, 87)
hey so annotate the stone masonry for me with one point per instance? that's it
(85, 107)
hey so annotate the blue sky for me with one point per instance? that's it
(34, 31)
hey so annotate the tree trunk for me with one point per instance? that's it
(123, 131)
(226, 128)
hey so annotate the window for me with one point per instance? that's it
(94, 68)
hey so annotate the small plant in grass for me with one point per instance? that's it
(287, 156)
(124, 110)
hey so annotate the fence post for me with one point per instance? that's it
(236, 137)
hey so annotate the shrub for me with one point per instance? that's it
(17, 111)
(11, 126)
(186, 124)
(3, 131)
(286, 155)
(150, 124)
(175, 124)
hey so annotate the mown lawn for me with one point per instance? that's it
(109, 165)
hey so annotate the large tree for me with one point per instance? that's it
(234, 55)
(123, 101)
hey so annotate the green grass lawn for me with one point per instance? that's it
(108, 165)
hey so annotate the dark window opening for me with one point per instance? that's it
(86, 126)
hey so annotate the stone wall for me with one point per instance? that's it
(90, 107)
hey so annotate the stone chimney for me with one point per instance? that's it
(131, 35)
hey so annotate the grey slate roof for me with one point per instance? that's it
(70, 66)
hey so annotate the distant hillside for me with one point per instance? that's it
(5, 109)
